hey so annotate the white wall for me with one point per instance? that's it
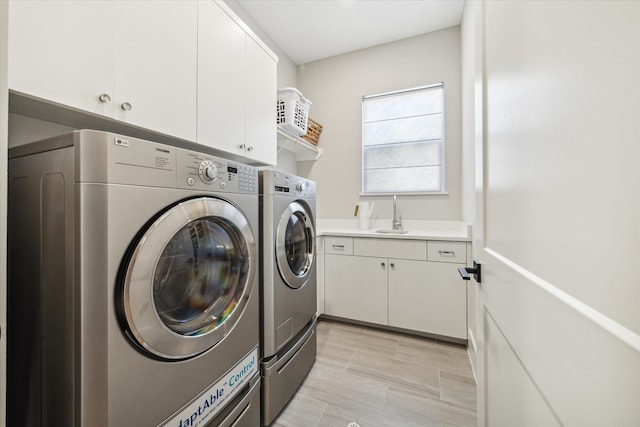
(336, 86)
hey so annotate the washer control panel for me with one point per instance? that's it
(275, 182)
(204, 172)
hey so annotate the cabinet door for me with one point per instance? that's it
(62, 51)
(221, 80)
(156, 65)
(427, 297)
(261, 97)
(356, 288)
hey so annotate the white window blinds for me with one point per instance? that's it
(403, 141)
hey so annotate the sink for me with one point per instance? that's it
(392, 231)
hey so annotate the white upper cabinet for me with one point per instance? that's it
(220, 79)
(261, 97)
(63, 51)
(189, 69)
(128, 60)
(156, 64)
(237, 87)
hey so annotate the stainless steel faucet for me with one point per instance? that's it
(397, 221)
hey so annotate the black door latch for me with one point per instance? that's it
(475, 270)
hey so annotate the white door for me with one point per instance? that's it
(558, 231)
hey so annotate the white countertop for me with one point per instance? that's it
(418, 230)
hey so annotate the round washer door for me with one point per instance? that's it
(295, 238)
(189, 278)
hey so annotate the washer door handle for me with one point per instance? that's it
(309, 236)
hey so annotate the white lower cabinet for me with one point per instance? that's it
(401, 283)
(427, 296)
(357, 288)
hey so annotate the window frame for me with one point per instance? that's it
(442, 190)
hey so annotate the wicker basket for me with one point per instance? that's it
(313, 131)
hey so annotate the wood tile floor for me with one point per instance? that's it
(380, 378)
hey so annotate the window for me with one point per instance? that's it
(403, 141)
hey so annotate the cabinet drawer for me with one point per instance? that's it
(391, 248)
(447, 252)
(338, 245)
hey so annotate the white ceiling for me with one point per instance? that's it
(308, 30)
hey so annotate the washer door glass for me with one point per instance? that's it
(197, 282)
(189, 277)
(295, 245)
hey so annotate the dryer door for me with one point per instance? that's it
(188, 278)
(295, 238)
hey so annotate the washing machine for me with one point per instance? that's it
(133, 285)
(288, 287)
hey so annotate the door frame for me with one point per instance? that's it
(4, 117)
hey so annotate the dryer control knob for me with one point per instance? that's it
(208, 171)
(299, 186)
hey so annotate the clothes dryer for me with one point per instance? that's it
(133, 285)
(288, 287)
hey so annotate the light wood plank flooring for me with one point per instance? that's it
(380, 378)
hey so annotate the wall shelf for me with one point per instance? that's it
(303, 150)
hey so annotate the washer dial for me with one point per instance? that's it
(208, 171)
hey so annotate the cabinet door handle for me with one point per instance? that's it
(249, 148)
(392, 265)
(341, 247)
(126, 106)
(104, 98)
(447, 252)
(382, 264)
